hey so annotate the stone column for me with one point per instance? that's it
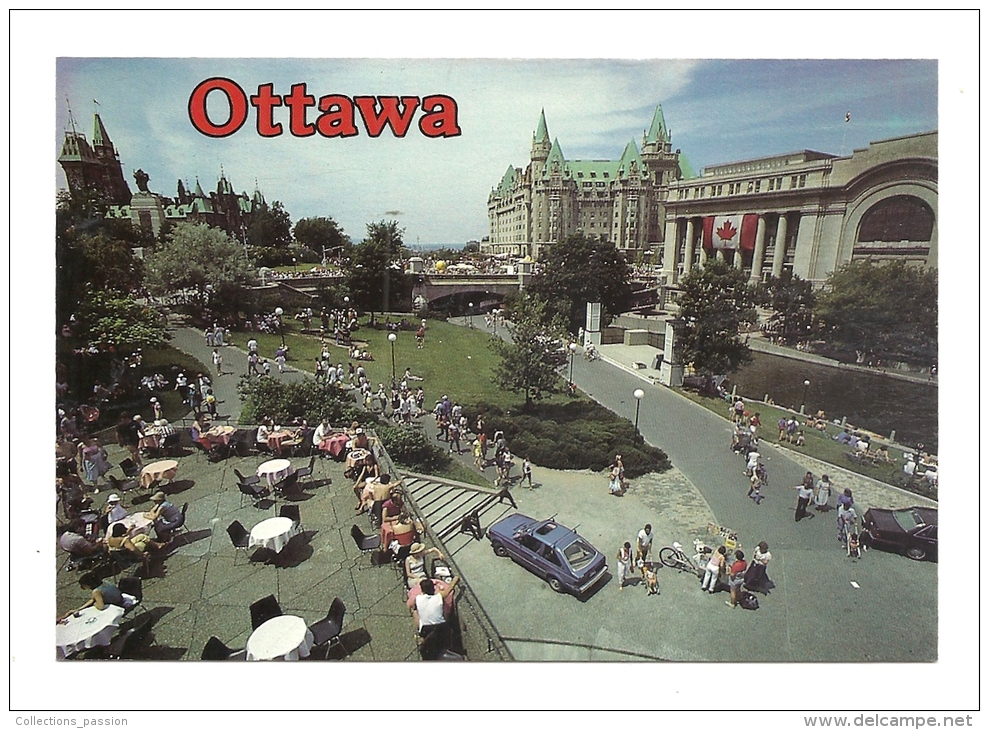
(670, 246)
(780, 251)
(760, 251)
(737, 261)
(703, 259)
(720, 254)
(688, 247)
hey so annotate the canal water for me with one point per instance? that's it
(872, 401)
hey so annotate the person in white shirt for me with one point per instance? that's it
(322, 431)
(429, 617)
(643, 543)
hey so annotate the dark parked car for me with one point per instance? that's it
(912, 531)
(553, 552)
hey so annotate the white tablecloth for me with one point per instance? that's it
(275, 470)
(273, 533)
(92, 628)
(282, 637)
(158, 471)
(136, 524)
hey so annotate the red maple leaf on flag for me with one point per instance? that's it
(727, 231)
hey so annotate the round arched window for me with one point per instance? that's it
(900, 218)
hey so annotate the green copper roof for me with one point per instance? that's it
(657, 130)
(631, 162)
(555, 156)
(542, 133)
(507, 181)
(100, 137)
(686, 171)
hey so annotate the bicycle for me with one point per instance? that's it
(673, 556)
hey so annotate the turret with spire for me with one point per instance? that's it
(541, 146)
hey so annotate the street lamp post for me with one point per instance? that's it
(281, 327)
(391, 338)
(470, 313)
(573, 351)
(494, 316)
(638, 393)
(803, 400)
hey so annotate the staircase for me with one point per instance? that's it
(442, 504)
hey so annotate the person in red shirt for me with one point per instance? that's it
(736, 577)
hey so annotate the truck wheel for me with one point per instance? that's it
(500, 551)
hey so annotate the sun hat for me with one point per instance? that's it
(113, 498)
(416, 548)
(158, 497)
(154, 400)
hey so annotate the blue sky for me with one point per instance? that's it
(718, 110)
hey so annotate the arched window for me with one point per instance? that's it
(900, 218)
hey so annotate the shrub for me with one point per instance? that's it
(576, 435)
(284, 402)
(410, 448)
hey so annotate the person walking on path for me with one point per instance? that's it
(846, 522)
(526, 471)
(823, 494)
(218, 361)
(643, 543)
(804, 495)
(624, 566)
(736, 577)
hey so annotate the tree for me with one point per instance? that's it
(886, 310)
(792, 301)
(321, 235)
(271, 227)
(194, 257)
(529, 362)
(579, 270)
(714, 302)
(112, 321)
(375, 277)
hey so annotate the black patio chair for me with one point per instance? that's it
(130, 469)
(305, 471)
(216, 650)
(365, 543)
(121, 486)
(132, 586)
(264, 609)
(255, 491)
(292, 512)
(327, 630)
(124, 642)
(239, 536)
(251, 480)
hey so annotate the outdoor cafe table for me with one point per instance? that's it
(136, 524)
(275, 470)
(216, 435)
(416, 589)
(281, 637)
(156, 471)
(91, 628)
(357, 456)
(278, 439)
(335, 444)
(273, 533)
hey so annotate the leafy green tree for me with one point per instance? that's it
(321, 234)
(887, 310)
(579, 270)
(792, 301)
(529, 362)
(271, 227)
(113, 321)
(714, 302)
(374, 276)
(195, 257)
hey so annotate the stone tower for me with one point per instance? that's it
(93, 168)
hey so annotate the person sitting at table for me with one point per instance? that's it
(113, 510)
(405, 531)
(393, 507)
(196, 432)
(118, 541)
(374, 490)
(360, 440)
(264, 431)
(76, 545)
(323, 431)
(166, 516)
(415, 563)
(365, 469)
(101, 594)
(429, 617)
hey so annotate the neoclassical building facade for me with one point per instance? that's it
(553, 197)
(807, 212)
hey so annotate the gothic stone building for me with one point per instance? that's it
(96, 168)
(619, 200)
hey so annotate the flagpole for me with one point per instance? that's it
(848, 118)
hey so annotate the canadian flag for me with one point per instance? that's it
(730, 231)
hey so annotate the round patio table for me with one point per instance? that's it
(136, 524)
(356, 456)
(275, 470)
(273, 533)
(158, 471)
(90, 628)
(220, 434)
(281, 637)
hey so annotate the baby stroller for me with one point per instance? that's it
(741, 440)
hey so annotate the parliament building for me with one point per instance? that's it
(805, 212)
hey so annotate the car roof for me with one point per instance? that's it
(551, 532)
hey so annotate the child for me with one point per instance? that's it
(854, 546)
(650, 579)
